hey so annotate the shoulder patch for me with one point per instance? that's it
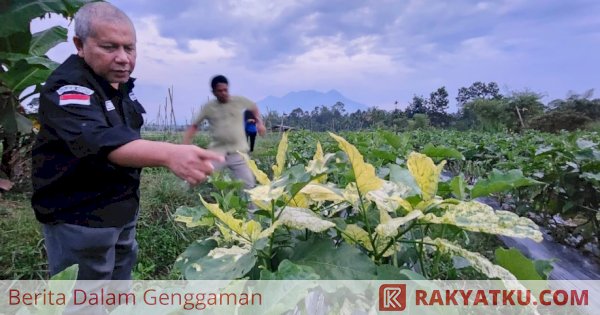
(74, 99)
(109, 105)
(74, 88)
(132, 96)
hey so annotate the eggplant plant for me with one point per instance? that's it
(335, 218)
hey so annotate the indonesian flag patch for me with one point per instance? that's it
(75, 99)
(74, 94)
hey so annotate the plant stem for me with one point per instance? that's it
(367, 225)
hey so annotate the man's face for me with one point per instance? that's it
(109, 50)
(221, 92)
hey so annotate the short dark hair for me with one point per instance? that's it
(218, 79)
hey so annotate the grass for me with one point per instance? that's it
(22, 254)
(160, 238)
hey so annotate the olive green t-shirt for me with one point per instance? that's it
(226, 123)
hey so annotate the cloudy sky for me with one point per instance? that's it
(373, 51)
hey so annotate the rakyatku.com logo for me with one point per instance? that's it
(392, 297)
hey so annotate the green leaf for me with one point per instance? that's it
(24, 75)
(42, 42)
(16, 43)
(287, 270)
(397, 142)
(70, 273)
(21, 12)
(330, 263)
(194, 216)
(442, 152)
(389, 272)
(196, 250)
(402, 176)
(543, 267)
(499, 181)
(522, 267)
(203, 260)
(386, 156)
(41, 61)
(458, 186)
(585, 144)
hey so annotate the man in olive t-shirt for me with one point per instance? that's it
(225, 117)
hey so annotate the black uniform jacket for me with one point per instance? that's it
(82, 120)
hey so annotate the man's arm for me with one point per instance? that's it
(260, 126)
(189, 133)
(188, 162)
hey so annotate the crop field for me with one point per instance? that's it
(425, 204)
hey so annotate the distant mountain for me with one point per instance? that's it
(307, 100)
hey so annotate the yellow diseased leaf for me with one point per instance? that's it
(191, 223)
(317, 165)
(389, 197)
(232, 223)
(479, 217)
(260, 176)
(265, 194)
(389, 226)
(252, 229)
(354, 234)
(477, 260)
(280, 158)
(405, 204)
(244, 231)
(300, 218)
(351, 195)
(319, 192)
(225, 232)
(268, 231)
(425, 205)
(425, 173)
(234, 251)
(364, 173)
(299, 201)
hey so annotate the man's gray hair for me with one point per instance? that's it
(102, 11)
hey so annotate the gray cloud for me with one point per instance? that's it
(413, 46)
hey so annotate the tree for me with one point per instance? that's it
(492, 114)
(438, 104)
(579, 103)
(572, 113)
(24, 64)
(524, 106)
(478, 90)
(417, 106)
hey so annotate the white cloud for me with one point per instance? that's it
(259, 9)
(154, 48)
(331, 60)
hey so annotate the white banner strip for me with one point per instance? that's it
(304, 296)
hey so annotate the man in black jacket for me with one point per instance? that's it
(88, 154)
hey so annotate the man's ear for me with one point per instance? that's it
(79, 45)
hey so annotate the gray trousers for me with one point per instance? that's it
(236, 163)
(102, 253)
